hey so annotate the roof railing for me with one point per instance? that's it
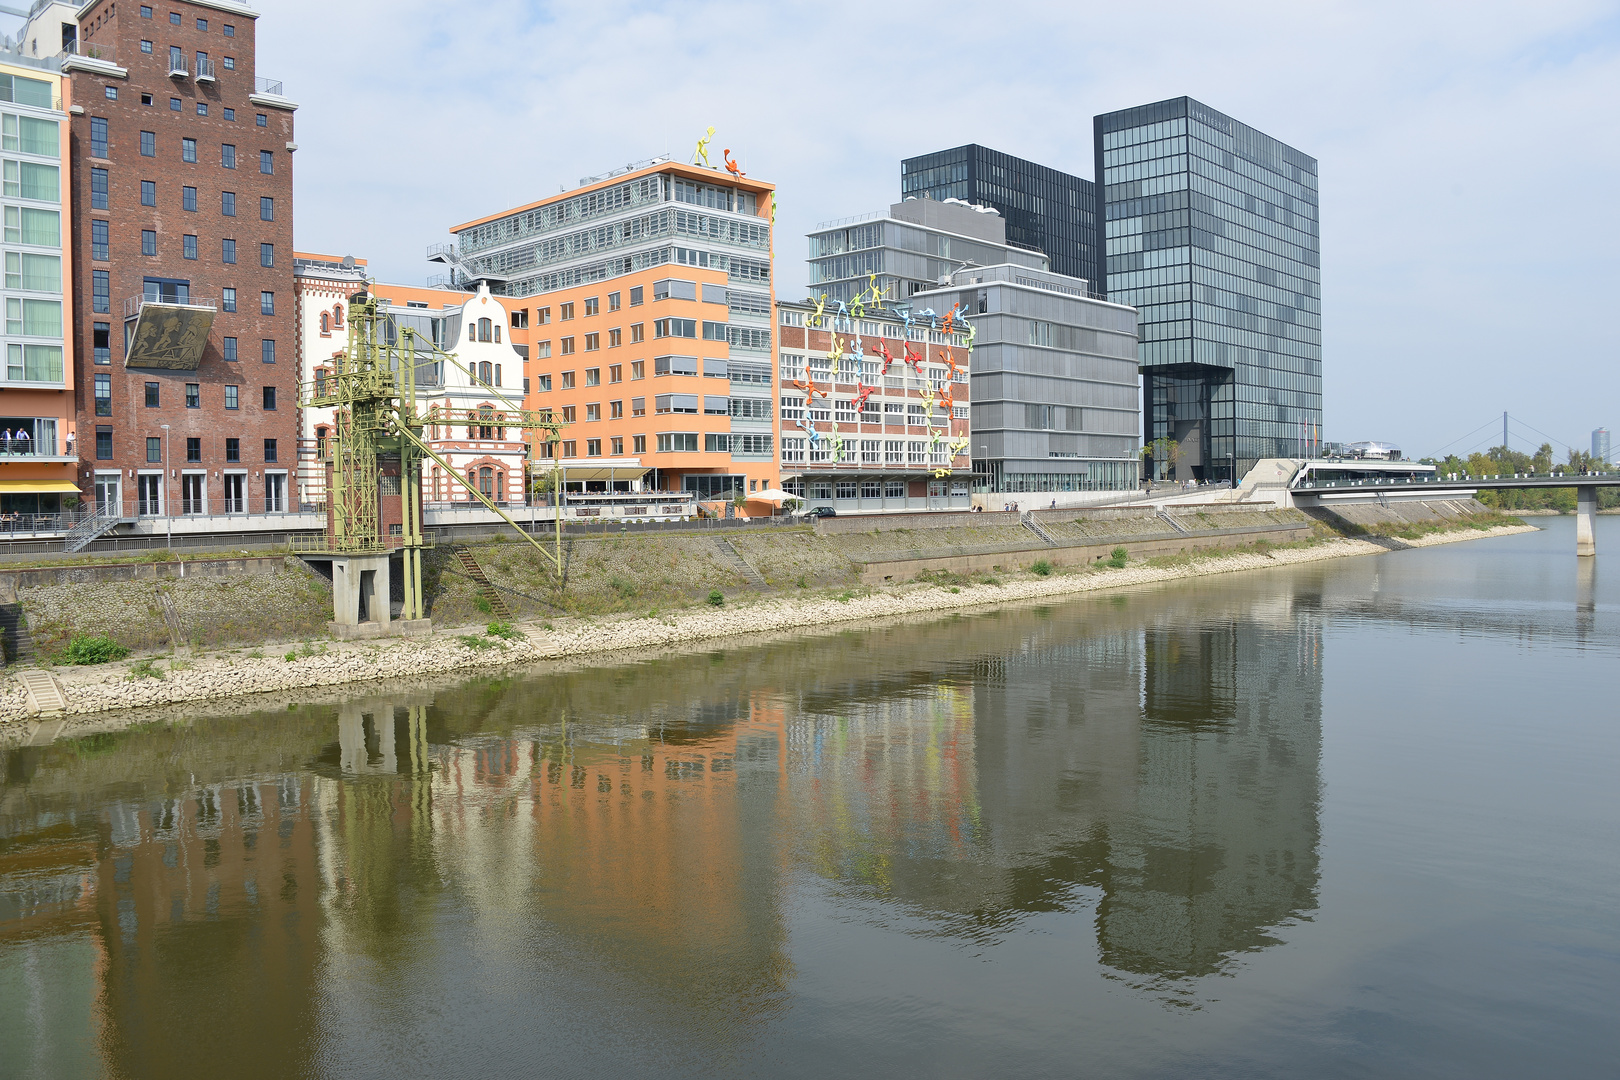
(273, 87)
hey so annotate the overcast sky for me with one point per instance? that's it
(1469, 152)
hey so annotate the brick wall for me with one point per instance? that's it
(144, 103)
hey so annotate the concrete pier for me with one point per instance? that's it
(1585, 511)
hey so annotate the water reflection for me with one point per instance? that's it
(255, 891)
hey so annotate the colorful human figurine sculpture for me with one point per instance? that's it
(702, 154)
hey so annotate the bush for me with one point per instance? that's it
(474, 642)
(85, 649)
(1118, 558)
(716, 597)
(1041, 568)
(144, 669)
(503, 630)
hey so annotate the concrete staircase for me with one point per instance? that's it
(733, 558)
(469, 566)
(17, 642)
(44, 695)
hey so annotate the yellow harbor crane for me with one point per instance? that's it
(372, 390)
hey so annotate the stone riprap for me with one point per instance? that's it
(109, 687)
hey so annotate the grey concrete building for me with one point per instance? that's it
(910, 248)
(1054, 380)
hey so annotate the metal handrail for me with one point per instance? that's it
(133, 305)
(272, 87)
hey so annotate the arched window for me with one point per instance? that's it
(486, 482)
(472, 333)
(472, 482)
(337, 316)
(320, 443)
(486, 421)
(497, 333)
(483, 329)
(485, 370)
(326, 323)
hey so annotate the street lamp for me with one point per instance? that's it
(168, 511)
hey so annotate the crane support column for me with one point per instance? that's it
(1585, 511)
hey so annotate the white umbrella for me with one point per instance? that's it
(774, 495)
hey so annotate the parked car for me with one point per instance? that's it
(818, 512)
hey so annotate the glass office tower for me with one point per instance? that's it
(1045, 209)
(1211, 232)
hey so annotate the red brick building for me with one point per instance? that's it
(181, 203)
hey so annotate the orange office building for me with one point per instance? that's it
(644, 300)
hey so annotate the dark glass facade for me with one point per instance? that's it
(1211, 233)
(1044, 209)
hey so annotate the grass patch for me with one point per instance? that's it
(92, 649)
(1040, 568)
(504, 631)
(481, 602)
(1117, 558)
(144, 669)
(475, 642)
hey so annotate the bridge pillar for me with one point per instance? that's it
(1585, 511)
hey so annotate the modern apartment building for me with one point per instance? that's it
(874, 408)
(1045, 209)
(1600, 445)
(913, 247)
(476, 438)
(645, 299)
(1211, 232)
(1054, 380)
(37, 462)
(182, 275)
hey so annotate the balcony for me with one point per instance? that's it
(272, 87)
(178, 68)
(205, 71)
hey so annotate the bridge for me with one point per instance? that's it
(1462, 486)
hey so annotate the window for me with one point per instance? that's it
(520, 318)
(270, 450)
(267, 208)
(103, 444)
(233, 450)
(100, 291)
(593, 447)
(227, 156)
(227, 203)
(25, 225)
(638, 369)
(148, 242)
(188, 199)
(615, 338)
(677, 442)
(98, 239)
(231, 396)
(567, 380)
(616, 410)
(146, 46)
(174, 104)
(593, 411)
(267, 254)
(154, 448)
(675, 365)
(193, 395)
(568, 414)
(202, 108)
(227, 296)
(202, 24)
(638, 406)
(227, 253)
(228, 348)
(542, 315)
(98, 189)
(146, 11)
(262, 120)
(267, 162)
(101, 342)
(103, 395)
(153, 394)
(188, 149)
(194, 449)
(593, 376)
(98, 137)
(567, 346)
(174, 18)
(148, 144)
(230, 31)
(269, 399)
(615, 373)
(267, 303)
(229, 62)
(230, 114)
(638, 332)
(267, 353)
(676, 403)
(717, 443)
(568, 448)
(542, 350)
(593, 342)
(189, 246)
(618, 447)
(682, 328)
(714, 331)
(111, 92)
(543, 384)
(590, 306)
(635, 296)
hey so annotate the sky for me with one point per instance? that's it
(1469, 153)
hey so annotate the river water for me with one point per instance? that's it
(1352, 818)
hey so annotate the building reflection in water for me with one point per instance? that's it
(259, 885)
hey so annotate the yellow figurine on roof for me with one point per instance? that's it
(702, 153)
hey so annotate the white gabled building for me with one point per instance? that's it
(475, 436)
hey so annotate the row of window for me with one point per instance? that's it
(668, 442)
(99, 187)
(103, 395)
(174, 20)
(101, 247)
(872, 411)
(870, 452)
(188, 148)
(194, 448)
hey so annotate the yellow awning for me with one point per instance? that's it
(36, 487)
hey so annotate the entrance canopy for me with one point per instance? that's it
(37, 487)
(573, 469)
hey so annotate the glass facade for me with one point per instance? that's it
(1045, 209)
(1211, 232)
